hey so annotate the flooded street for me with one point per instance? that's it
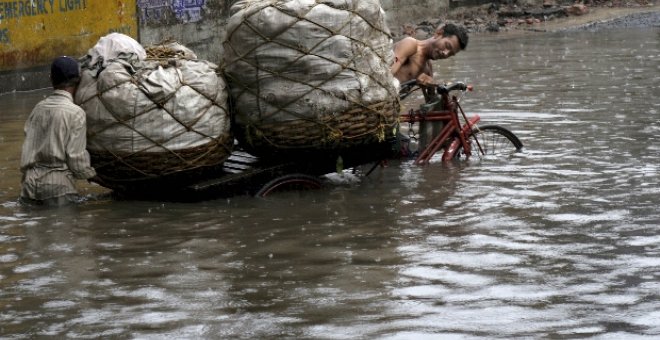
(561, 241)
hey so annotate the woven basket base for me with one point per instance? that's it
(359, 126)
(125, 171)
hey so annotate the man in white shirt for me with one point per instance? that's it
(54, 151)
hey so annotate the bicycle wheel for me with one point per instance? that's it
(288, 183)
(495, 141)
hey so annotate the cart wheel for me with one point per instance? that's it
(290, 182)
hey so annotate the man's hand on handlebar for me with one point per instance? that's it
(426, 80)
(408, 87)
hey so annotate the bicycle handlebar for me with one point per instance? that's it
(460, 86)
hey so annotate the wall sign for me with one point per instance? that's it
(33, 32)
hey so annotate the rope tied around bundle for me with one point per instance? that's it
(310, 75)
(157, 117)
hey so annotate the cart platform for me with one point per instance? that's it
(245, 174)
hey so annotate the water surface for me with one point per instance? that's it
(559, 241)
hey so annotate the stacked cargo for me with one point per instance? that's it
(305, 77)
(310, 75)
(152, 114)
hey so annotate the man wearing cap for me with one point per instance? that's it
(54, 151)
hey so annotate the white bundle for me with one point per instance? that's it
(307, 60)
(114, 46)
(139, 106)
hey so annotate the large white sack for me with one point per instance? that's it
(310, 61)
(156, 115)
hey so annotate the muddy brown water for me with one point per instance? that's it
(560, 241)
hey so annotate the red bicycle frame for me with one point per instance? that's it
(452, 128)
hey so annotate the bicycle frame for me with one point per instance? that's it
(452, 130)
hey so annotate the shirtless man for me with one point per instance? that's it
(412, 60)
(412, 57)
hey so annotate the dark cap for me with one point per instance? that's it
(64, 69)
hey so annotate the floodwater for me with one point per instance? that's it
(560, 241)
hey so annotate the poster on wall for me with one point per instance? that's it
(163, 12)
(33, 32)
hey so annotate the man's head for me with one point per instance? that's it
(448, 40)
(64, 73)
(447, 30)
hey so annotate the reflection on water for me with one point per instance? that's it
(560, 241)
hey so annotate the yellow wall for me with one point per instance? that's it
(33, 32)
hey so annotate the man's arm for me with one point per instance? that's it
(426, 77)
(406, 66)
(76, 152)
(403, 50)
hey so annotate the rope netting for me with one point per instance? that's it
(155, 118)
(310, 74)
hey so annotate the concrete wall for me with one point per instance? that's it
(198, 24)
(73, 26)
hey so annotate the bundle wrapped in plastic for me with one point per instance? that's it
(152, 114)
(308, 74)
